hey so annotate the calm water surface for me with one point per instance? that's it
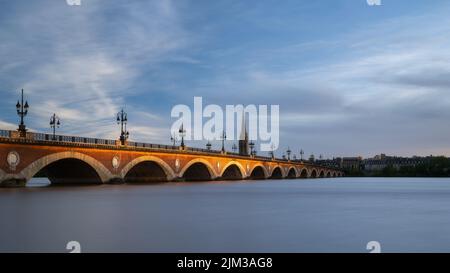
(323, 215)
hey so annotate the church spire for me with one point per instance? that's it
(243, 138)
(243, 135)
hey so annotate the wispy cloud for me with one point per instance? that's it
(81, 62)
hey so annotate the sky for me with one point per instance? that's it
(350, 79)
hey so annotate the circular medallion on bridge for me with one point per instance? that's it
(177, 164)
(115, 162)
(218, 165)
(13, 160)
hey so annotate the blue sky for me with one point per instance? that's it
(350, 79)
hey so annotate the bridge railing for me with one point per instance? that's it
(151, 146)
(263, 157)
(202, 150)
(168, 147)
(72, 139)
(98, 141)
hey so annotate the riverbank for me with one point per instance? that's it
(434, 167)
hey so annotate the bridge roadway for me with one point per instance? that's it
(78, 160)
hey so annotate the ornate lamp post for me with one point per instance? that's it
(234, 148)
(208, 146)
(224, 137)
(173, 139)
(301, 154)
(252, 146)
(288, 153)
(272, 152)
(182, 133)
(22, 111)
(122, 119)
(54, 123)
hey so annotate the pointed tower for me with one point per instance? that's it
(243, 138)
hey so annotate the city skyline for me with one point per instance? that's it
(370, 83)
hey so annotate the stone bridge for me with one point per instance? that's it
(69, 159)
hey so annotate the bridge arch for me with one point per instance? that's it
(200, 163)
(237, 166)
(292, 173)
(170, 174)
(258, 172)
(31, 170)
(303, 173)
(322, 174)
(329, 174)
(313, 173)
(277, 172)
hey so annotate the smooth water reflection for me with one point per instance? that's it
(322, 215)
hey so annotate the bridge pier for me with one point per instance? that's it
(116, 181)
(12, 181)
(15, 181)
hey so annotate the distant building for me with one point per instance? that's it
(351, 163)
(379, 162)
(348, 163)
(334, 163)
(376, 163)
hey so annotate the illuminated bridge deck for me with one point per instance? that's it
(74, 159)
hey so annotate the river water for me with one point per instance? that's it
(321, 215)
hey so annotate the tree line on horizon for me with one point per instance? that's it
(435, 167)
